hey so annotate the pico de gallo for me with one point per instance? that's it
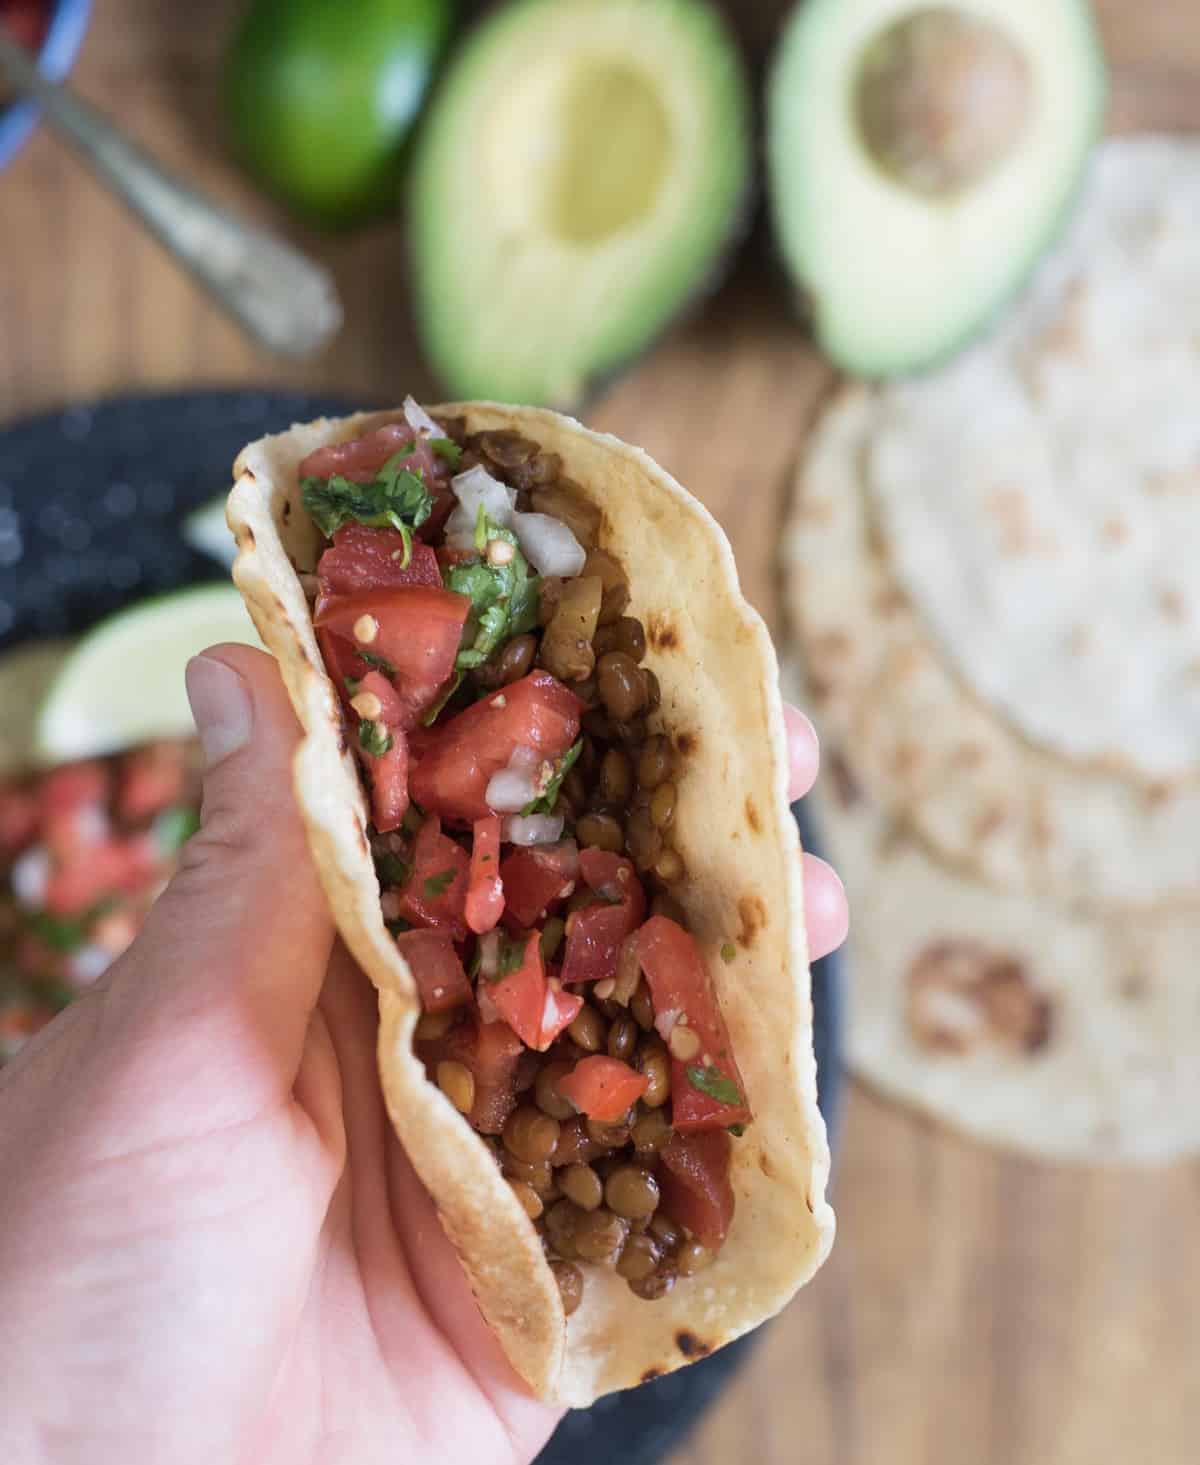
(85, 849)
(522, 791)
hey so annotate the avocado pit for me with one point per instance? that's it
(943, 98)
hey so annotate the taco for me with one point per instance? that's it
(544, 779)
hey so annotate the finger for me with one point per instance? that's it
(826, 913)
(241, 936)
(804, 753)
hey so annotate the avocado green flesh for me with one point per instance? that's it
(321, 96)
(897, 280)
(576, 182)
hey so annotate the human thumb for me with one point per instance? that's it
(237, 945)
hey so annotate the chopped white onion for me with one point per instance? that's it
(30, 876)
(665, 1022)
(91, 824)
(525, 759)
(548, 544)
(488, 1010)
(87, 964)
(474, 489)
(530, 829)
(389, 904)
(509, 791)
(419, 420)
(489, 955)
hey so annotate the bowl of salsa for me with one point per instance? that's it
(54, 29)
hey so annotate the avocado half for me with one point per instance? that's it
(921, 159)
(579, 178)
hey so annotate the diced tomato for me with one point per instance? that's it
(117, 866)
(681, 987)
(558, 1012)
(20, 815)
(492, 1052)
(363, 558)
(485, 892)
(75, 786)
(418, 634)
(392, 709)
(597, 931)
(436, 892)
(435, 966)
(361, 459)
(389, 784)
(519, 996)
(537, 878)
(693, 1176)
(602, 1088)
(150, 780)
(452, 776)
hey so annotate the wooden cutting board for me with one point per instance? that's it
(978, 1309)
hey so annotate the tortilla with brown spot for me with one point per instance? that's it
(721, 675)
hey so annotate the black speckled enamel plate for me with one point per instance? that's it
(91, 499)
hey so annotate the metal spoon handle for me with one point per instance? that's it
(279, 297)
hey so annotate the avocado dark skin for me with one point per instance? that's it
(321, 97)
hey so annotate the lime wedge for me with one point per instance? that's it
(123, 683)
(206, 531)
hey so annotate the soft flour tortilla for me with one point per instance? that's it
(733, 828)
(1116, 1076)
(932, 751)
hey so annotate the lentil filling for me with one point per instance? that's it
(523, 790)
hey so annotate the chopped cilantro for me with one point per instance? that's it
(504, 598)
(438, 884)
(713, 1082)
(512, 956)
(728, 952)
(432, 714)
(392, 870)
(65, 933)
(737, 1130)
(398, 926)
(448, 451)
(380, 663)
(476, 961)
(374, 738)
(174, 827)
(352, 685)
(544, 802)
(396, 497)
(413, 819)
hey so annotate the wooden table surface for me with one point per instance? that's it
(978, 1308)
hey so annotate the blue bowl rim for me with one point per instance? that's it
(68, 26)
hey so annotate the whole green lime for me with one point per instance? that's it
(322, 95)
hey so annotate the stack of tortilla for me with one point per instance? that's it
(994, 581)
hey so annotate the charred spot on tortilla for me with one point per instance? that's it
(661, 633)
(752, 914)
(691, 1346)
(764, 1164)
(286, 511)
(964, 995)
(687, 743)
(1133, 987)
(752, 816)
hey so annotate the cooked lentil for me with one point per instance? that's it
(581, 1184)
